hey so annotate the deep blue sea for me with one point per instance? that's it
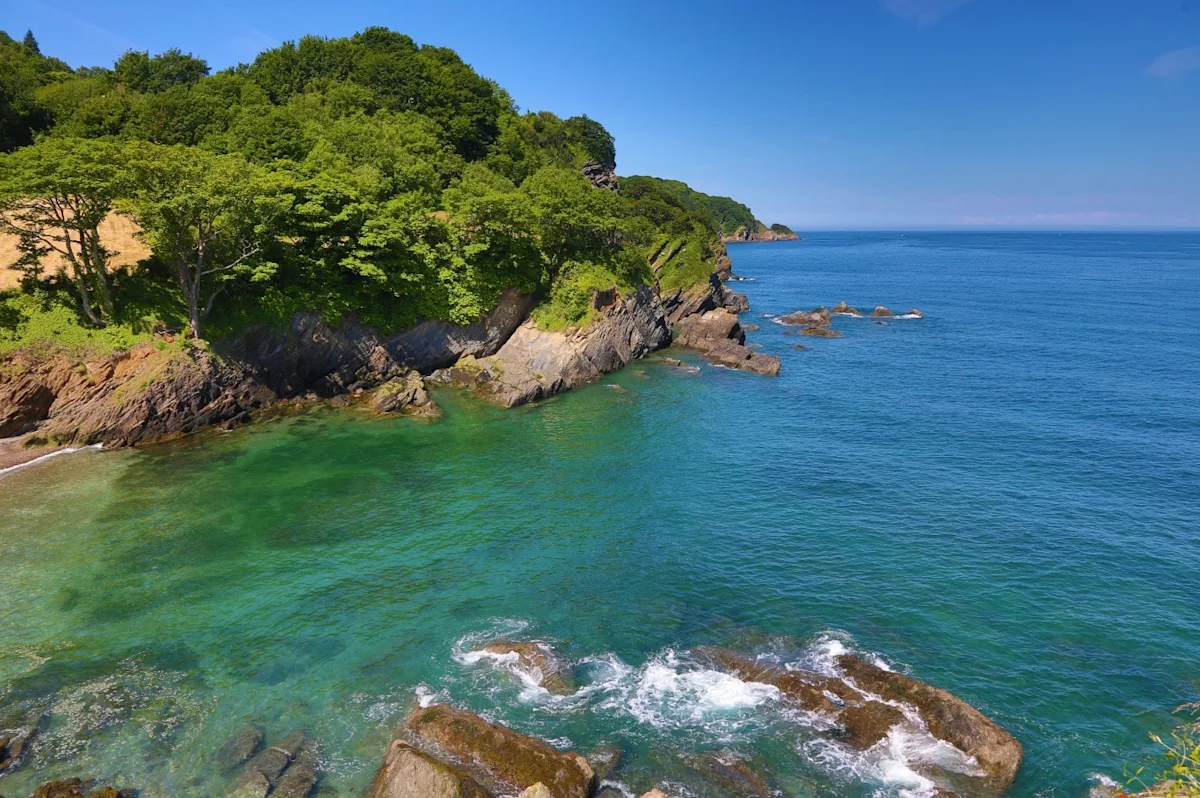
(1001, 498)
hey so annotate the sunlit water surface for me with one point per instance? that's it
(1002, 498)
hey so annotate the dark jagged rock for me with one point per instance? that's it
(506, 757)
(407, 395)
(734, 302)
(409, 773)
(604, 760)
(241, 746)
(601, 175)
(24, 401)
(700, 298)
(13, 744)
(546, 666)
(948, 718)
(534, 363)
(437, 344)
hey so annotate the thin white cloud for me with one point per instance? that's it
(1175, 63)
(922, 13)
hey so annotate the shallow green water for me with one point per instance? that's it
(1000, 497)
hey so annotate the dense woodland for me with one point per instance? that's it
(367, 175)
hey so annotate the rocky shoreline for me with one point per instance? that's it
(51, 399)
(440, 751)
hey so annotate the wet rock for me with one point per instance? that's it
(948, 718)
(868, 723)
(821, 317)
(800, 347)
(538, 790)
(845, 310)
(733, 776)
(241, 746)
(604, 760)
(13, 744)
(821, 332)
(751, 328)
(609, 792)
(882, 312)
(506, 756)
(407, 395)
(251, 784)
(409, 773)
(268, 765)
(78, 788)
(808, 690)
(546, 666)
(301, 775)
(656, 793)
(731, 354)
(914, 314)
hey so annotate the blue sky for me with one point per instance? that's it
(824, 114)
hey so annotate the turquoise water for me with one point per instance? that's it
(1002, 498)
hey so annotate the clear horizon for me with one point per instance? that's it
(868, 115)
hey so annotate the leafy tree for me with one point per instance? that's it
(53, 197)
(138, 71)
(209, 218)
(596, 142)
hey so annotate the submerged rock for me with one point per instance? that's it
(409, 773)
(78, 788)
(604, 760)
(504, 755)
(821, 332)
(545, 666)
(948, 718)
(733, 776)
(269, 769)
(750, 328)
(241, 746)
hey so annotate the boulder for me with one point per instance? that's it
(601, 175)
(268, 765)
(409, 773)
(504, 755)
(947, 717)
(845, 310)
(821, 332)
(407, 395)
(241, 746)
(301, 775)
(13, 744)
(546, 666)
(821, 317)
(882, 312)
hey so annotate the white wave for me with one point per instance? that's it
(909, 316)
(620, 787)
(68, 450)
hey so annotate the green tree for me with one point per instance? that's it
(138, 71)
(31, 43)
(209, 218)
(53, 197)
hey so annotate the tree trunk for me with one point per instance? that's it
(100, 267)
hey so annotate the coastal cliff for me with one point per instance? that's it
(761, 233)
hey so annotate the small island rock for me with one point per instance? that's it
(546, 666)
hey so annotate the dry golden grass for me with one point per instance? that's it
(117, 233)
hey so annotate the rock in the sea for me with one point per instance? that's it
(241, 746)
(301, 775)
(540, 661)
(882, 312)
(800, 347)
(409, 773)
(506, 756)
(845, 310)
(810, 691)
(750, 328)
(655, 793)
(604, 760)
(868, 723)
(706, 330)
(821, 332)
(78, 788)
(914, 314)
(821, 317)
(13, 744)
(405, 394)
(732, 776)
(947, 717)
(268, 765)
(731, 354)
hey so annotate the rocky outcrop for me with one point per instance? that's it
(505, 759)
(534, 363)
(865, 702)
(701, 298)
(244, 744)
(601, 175)
(719, 335)
(732, 776)
(760, 234)
(409, 773)
(948, 717)
(540, 661)
(405, 395)
(821, 317)
(882, 312)
(845, 310)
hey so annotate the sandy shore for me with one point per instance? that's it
(14, 453)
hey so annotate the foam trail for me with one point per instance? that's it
(68, 450)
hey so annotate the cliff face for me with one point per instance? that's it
(161, 390)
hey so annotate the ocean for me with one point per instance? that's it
(1001, 499)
